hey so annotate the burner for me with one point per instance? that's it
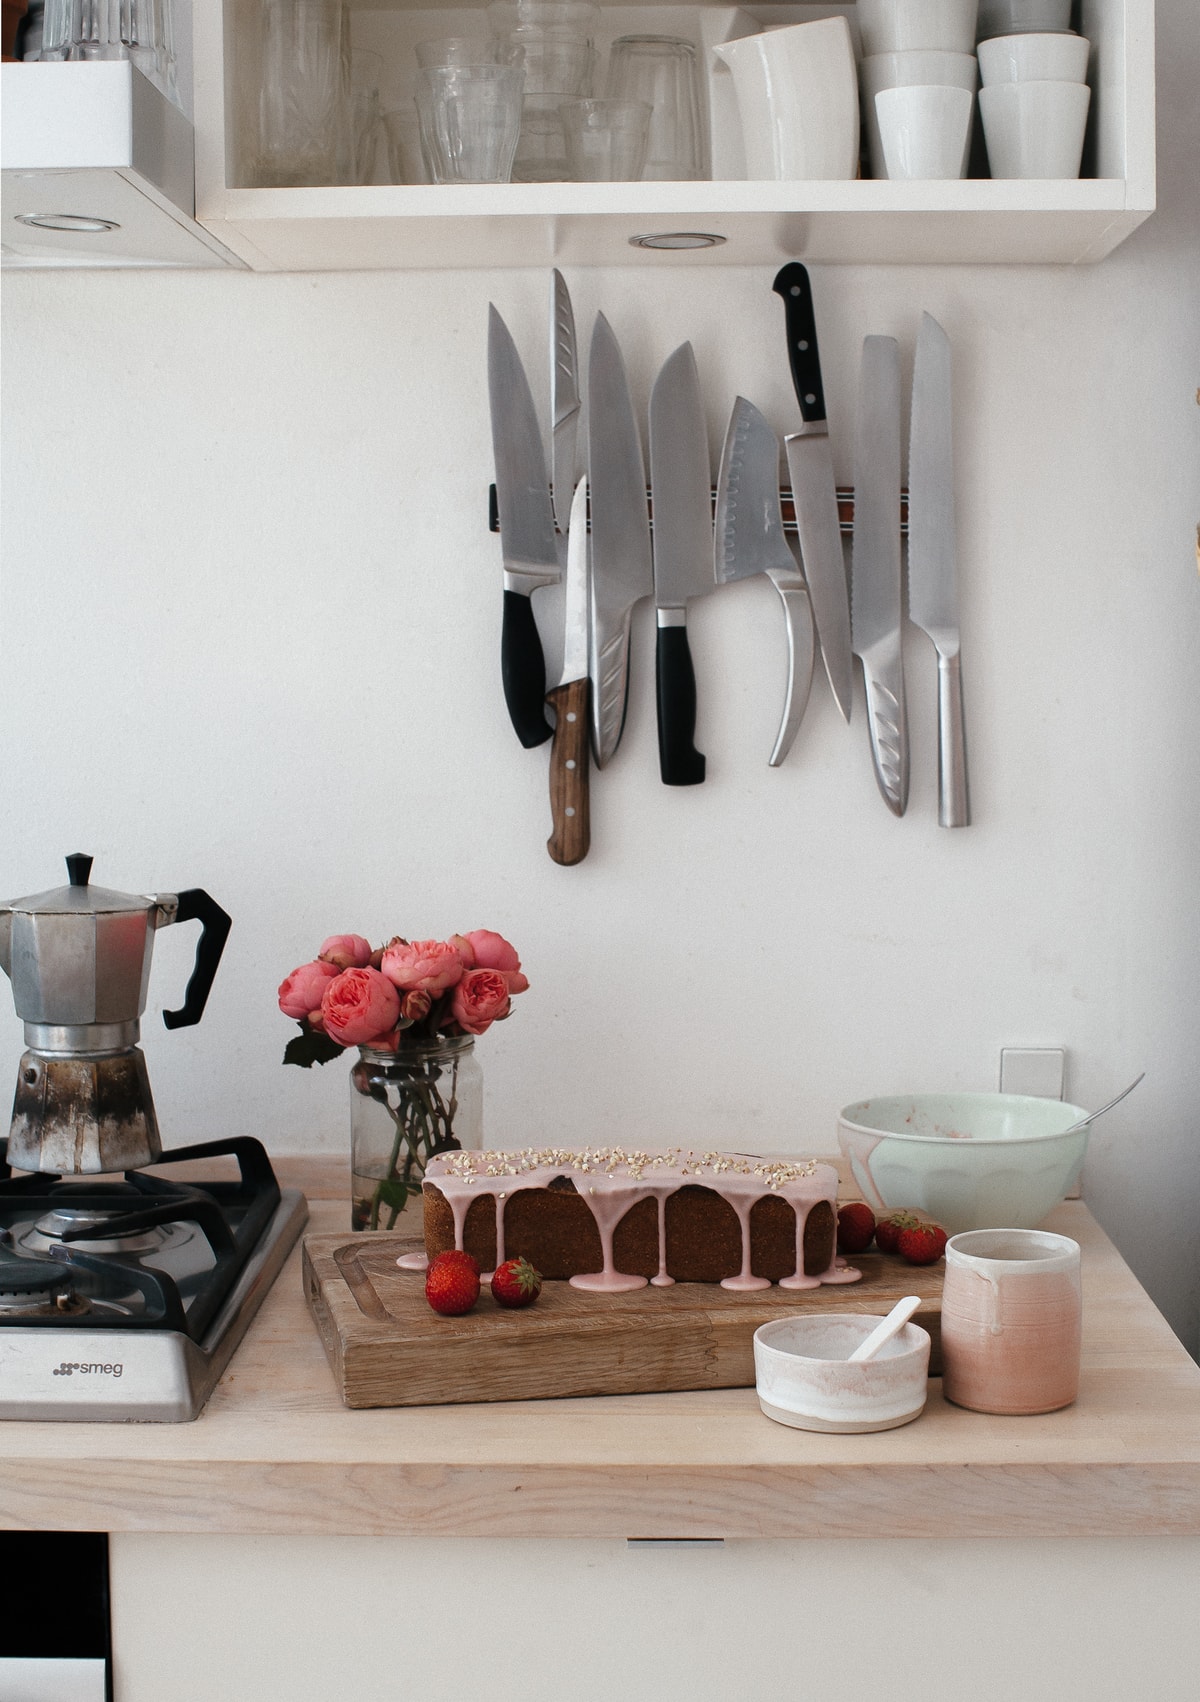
(47, 1233)
(35, 1288)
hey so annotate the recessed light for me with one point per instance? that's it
(67, 221)
(678, 239)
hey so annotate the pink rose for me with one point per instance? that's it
(479, 998)
(347, 951)
(464, 948)
(425, 966)
(416, 1006)
(302, 991)
(358, 1006)
(492, 951)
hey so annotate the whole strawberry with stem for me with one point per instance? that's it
(452, 1283)
(855, 1227)
(516, 1283)
(887, 1230)
(922, 1244)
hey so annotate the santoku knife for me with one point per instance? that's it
(681, 487)
(932, 550)
(814, 489)
(527, 538)
(749, 539)
(875, 582)
(622, 568)
(564, 399)
(569, 798)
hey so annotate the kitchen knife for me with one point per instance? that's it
(564, 399)
(932, 573)
(681, 488)
(622, 569)
(749, 539)
(526, 531)
(875, 584)
(569, 802)
(814, 490)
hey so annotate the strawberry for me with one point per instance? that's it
(922, 1244)
(452, 1283)
(516, 1283)
(855, 1227)
(887, 1230)
(459, 1253)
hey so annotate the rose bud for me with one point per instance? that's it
(304, 988)
(492, 951)
(346, 951)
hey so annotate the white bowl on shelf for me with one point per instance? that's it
(1034, 130)
(898, 26)
(967, 1160)
(1043, 57)
(925, 131)
(803, 1378)
(1017, 17)
(920, 66)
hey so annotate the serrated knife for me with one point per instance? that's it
(681, 491)
(570, 812)
(622, 567)
(814, 489)
(932, 556)
(527, 539)
(875, 575)
(749, 539)
(564, 399)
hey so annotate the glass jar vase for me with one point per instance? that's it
(405, 1107)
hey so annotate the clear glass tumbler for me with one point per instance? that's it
(553, 40)
(458, 50)
(606, 139)
(661, 70)
(470, 120)
(304, 93)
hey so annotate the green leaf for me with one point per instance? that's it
(392, 1192)
(309, 1048)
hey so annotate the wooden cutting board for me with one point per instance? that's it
(388, 1348)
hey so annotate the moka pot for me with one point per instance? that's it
(79, 962)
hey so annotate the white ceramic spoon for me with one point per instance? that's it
(886, 1328)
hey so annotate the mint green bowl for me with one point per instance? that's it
(967, 1160)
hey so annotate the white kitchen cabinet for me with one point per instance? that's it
(406, 226)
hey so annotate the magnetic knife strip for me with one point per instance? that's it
(845, 502)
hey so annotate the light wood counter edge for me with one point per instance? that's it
(275, 1451)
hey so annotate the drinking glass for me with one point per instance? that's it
(661, 71)
(406, 160)
(553, 41)
(303, 94)
(139, 30)
(364, 116)
(458, 50)
(470, 119)
(606, 139)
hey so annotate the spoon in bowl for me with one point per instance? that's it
(886, 1328)
(1092, 1115)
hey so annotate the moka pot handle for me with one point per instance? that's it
(195, 905)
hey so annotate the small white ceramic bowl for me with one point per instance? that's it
(896, 26)
(1034, 129)
(803, 1377)
(967, 1160)
(1041, 58)
(1016, 17)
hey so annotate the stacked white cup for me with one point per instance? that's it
(1035, 96)
(918, 77)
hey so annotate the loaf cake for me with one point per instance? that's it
(606, 1219)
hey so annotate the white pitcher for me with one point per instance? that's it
(797, 95)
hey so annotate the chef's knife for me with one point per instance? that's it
(932, 573)
(526, 531)
(814, 490)
(750, 539)
(569, 803)
(564, 399)
(681, 487)
(875, 586)
(622, 569)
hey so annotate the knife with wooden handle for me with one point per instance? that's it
(570, 810)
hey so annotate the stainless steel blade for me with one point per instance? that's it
(932, 556)
(680, 480)
(814, 492)
(522, 490)
(622, 571)
(875, 581)
(749, 539)
(576, 616)
(564, 399)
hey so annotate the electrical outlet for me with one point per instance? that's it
(1036, 1070)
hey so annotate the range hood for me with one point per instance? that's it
(97, 170)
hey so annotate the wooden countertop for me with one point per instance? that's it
(275, 1451)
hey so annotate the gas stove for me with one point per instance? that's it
(122, 1301)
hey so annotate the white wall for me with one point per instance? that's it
(249, 640)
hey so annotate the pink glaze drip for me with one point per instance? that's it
(413, 1262)
(745, 1279)
(608, 1210)
(662, 1280)
(839, 1271)
(799, 1280)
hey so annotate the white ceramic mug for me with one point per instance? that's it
(928, 66)
(797, 95)
(899, 26)
(1041, 58)
(925, 130)
(1034, 129)
(1011, 1321)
